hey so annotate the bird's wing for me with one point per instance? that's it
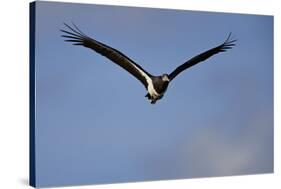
(76, 36)
(228, 44)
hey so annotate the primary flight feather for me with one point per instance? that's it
(156, 86)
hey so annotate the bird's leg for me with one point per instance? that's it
(148, 96)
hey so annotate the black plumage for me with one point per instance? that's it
(156, 86)
(228, 44)
(79, 38)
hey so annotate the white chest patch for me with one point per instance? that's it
(151, 90)
(150, 87)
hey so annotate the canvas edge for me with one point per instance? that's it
(32, 164)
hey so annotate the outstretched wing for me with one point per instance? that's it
(228, 44)
(76, 36)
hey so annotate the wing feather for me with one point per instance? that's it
(76, 36)
(227, 44)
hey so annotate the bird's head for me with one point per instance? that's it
(165, 77)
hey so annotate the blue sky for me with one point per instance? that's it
(94, 125)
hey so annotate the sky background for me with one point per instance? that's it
(94, 125)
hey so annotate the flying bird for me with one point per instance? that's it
(156, 86)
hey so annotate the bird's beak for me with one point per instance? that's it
(166, 79)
